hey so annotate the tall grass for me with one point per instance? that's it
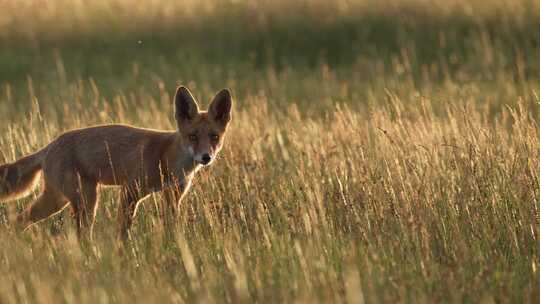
(379, 151)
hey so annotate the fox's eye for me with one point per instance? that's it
(214, 137)
(192, 137)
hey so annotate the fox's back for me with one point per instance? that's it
(110, 154)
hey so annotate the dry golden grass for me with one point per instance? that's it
(389, 203)
(406, 177)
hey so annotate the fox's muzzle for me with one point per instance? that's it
(206, 159)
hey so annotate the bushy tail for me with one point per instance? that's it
(17, 179)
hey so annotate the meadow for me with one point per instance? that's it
(380, 151)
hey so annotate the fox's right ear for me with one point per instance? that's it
(185, 106)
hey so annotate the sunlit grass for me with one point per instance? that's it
(405, 170)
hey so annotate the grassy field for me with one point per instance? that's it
(380, 151)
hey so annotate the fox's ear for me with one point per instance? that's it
(185, 106)
(220, 108)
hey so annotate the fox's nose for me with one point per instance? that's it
(206, 159)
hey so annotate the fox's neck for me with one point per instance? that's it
(179, 160)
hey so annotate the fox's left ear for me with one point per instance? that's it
(185, 106)
(220, 108)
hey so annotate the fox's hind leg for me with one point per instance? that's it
(77, 188)
(50, 202)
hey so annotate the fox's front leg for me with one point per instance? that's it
(172, 196)
(131, 196)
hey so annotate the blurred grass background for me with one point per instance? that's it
(252, 46)
(381, 151)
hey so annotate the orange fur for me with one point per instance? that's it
(141, 161)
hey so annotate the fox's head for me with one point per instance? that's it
(201, 132)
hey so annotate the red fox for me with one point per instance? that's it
(141, 161)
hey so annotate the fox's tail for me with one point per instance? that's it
(17, 179)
